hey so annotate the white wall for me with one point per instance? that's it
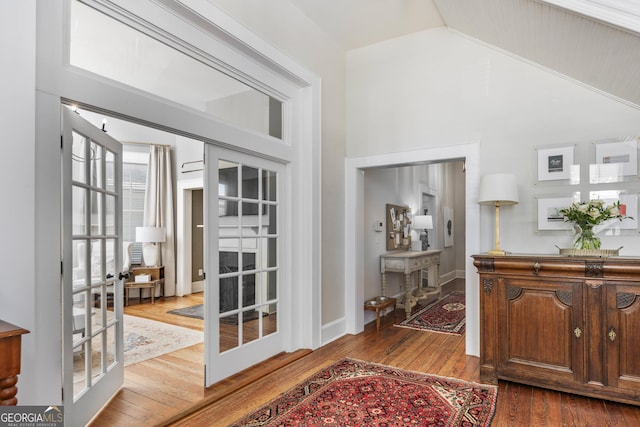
(437, 88)
(17, 174)
(287, 28)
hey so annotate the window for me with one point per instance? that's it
(134, 180)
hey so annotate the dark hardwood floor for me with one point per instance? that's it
(169, 390)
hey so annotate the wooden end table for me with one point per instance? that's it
(379, 303)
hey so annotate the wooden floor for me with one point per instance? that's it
(162, 391)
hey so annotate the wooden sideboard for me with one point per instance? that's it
(410, 263)
(566, 323)
(10, 350)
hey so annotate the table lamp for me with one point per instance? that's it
(150, 237)
(495, 190)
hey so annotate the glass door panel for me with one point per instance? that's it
(92, 301)
(247, 296)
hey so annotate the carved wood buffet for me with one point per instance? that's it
(566, 323)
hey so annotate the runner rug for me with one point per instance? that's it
(355, 393)
(446, 315)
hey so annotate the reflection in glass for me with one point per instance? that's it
(248, 290)
(78, 158)
(130, 57)
(228, 294)
(111, 345)
(229, 333)
(96, 165)
(269, 186)
(79, 210)
(270, 322)
(110, 220)
(250, 326)
(249, 183)
(96, 213)
(272, 219)
(227, 179)
(228, 259)
(96, 260)
(271, 250)
(110, 170)
(98, 362)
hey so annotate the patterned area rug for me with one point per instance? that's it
(356, 393)
(143, 339)
(197, 311)
(446, 315)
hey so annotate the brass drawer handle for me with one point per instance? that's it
(612, 334)
(577, 332)
(536, 268)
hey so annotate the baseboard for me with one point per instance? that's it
(333, 330)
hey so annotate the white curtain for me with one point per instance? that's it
(158, 210)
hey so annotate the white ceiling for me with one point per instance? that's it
(601, 55)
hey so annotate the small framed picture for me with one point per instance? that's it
(614, 160)
(557, 163)
(628, 208)
(549, 217)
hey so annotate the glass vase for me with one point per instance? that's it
(586, 238)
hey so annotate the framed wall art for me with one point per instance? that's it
(614, 160)
(628, 207)
(557, 164)
(548, 216)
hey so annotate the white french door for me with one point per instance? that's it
(245, 282)
(92, 351)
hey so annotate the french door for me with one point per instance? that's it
(245, 282)
(92, 351)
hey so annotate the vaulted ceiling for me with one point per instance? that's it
(580, 42)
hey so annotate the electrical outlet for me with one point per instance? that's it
(378, 225)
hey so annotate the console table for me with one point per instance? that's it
(565, 323)
(156, 275)
(10, 346)
(409, 263)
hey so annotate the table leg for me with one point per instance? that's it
(384, 284)
(378, 320)
(408, 298)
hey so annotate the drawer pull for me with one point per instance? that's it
(612, 334)
(577, 332)
(536, 268)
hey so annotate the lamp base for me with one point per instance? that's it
(498, 252)
(150, 254)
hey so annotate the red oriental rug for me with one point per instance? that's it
(445, 315)
(355, 393)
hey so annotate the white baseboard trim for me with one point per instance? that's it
(333, 330)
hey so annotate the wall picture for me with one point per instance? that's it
(398, 228)
(448, 227)
(548, 216)
(556, 163)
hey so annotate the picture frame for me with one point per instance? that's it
(614, 160)
(628, 204)
(447, 214)
(548, 216)
(557, 164)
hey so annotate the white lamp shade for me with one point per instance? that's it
(498, 187)
(150, 234)
(422, 222)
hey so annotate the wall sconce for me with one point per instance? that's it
(496, 190)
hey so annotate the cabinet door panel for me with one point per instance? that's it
(539, 340)
(623, 336)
